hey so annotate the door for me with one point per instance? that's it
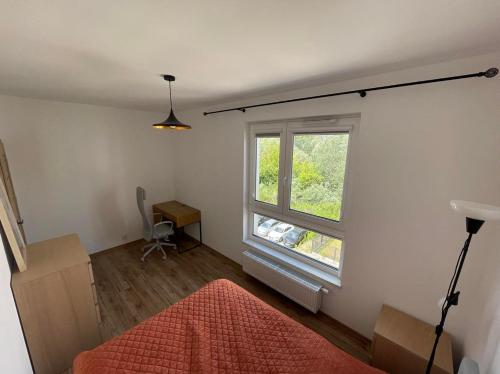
(9, 187)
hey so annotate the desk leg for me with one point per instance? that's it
(201, 240)
(199, 244)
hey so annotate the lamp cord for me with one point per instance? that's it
(454, 275)
(170, 90)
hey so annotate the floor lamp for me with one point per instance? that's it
(475, 215)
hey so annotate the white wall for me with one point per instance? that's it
(75, 168)
(483, 335)
(495, 366)
(418, 148)
(13, 353)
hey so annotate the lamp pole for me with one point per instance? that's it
(473, 226)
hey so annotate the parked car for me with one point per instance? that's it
(264, 229)
(262, 219)
(294, 237)
(276, 235)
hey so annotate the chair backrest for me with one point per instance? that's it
(147, 228)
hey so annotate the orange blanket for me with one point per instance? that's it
(221, 328)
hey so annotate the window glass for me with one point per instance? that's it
(308, 243)
(267, 168)
(318, 170)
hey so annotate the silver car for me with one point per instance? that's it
(264, 228)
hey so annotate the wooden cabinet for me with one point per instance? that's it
(402, 344)
(57, 303)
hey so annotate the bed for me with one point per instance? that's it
(220, 328)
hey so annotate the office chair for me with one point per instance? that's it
(159, 232)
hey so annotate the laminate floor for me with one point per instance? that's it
(130, 291)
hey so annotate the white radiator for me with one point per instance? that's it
(292, 284)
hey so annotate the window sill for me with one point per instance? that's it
(295, 264)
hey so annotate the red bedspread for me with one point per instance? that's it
(221, 328)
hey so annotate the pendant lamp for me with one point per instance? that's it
(171, 122)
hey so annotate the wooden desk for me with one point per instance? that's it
(403, 344)
(180, 214)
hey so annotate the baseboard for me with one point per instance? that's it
(120, 246)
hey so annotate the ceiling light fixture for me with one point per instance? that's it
(171, 122)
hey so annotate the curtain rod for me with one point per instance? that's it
(490, 73)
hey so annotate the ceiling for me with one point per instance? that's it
(112, 52)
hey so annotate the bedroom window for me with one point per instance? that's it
(297, 184)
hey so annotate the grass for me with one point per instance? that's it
(329, 249)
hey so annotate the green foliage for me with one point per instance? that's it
(306, 174)
(318, 174)
(268, 193)
(329, 249)
(268, 157)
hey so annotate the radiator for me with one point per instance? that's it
(290, 283)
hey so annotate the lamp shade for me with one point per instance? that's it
(483, 212)
(172, 123)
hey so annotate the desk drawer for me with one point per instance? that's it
(180, 214)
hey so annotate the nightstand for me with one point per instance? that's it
(402, 345)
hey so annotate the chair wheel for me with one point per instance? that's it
(143, 259)
(164, 258)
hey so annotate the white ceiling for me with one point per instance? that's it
(111, 52)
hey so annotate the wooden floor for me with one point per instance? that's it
(130, 291)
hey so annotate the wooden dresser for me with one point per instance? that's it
(402, 345)
(57, 303)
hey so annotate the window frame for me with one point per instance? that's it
(254, 134)
(287, 129)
